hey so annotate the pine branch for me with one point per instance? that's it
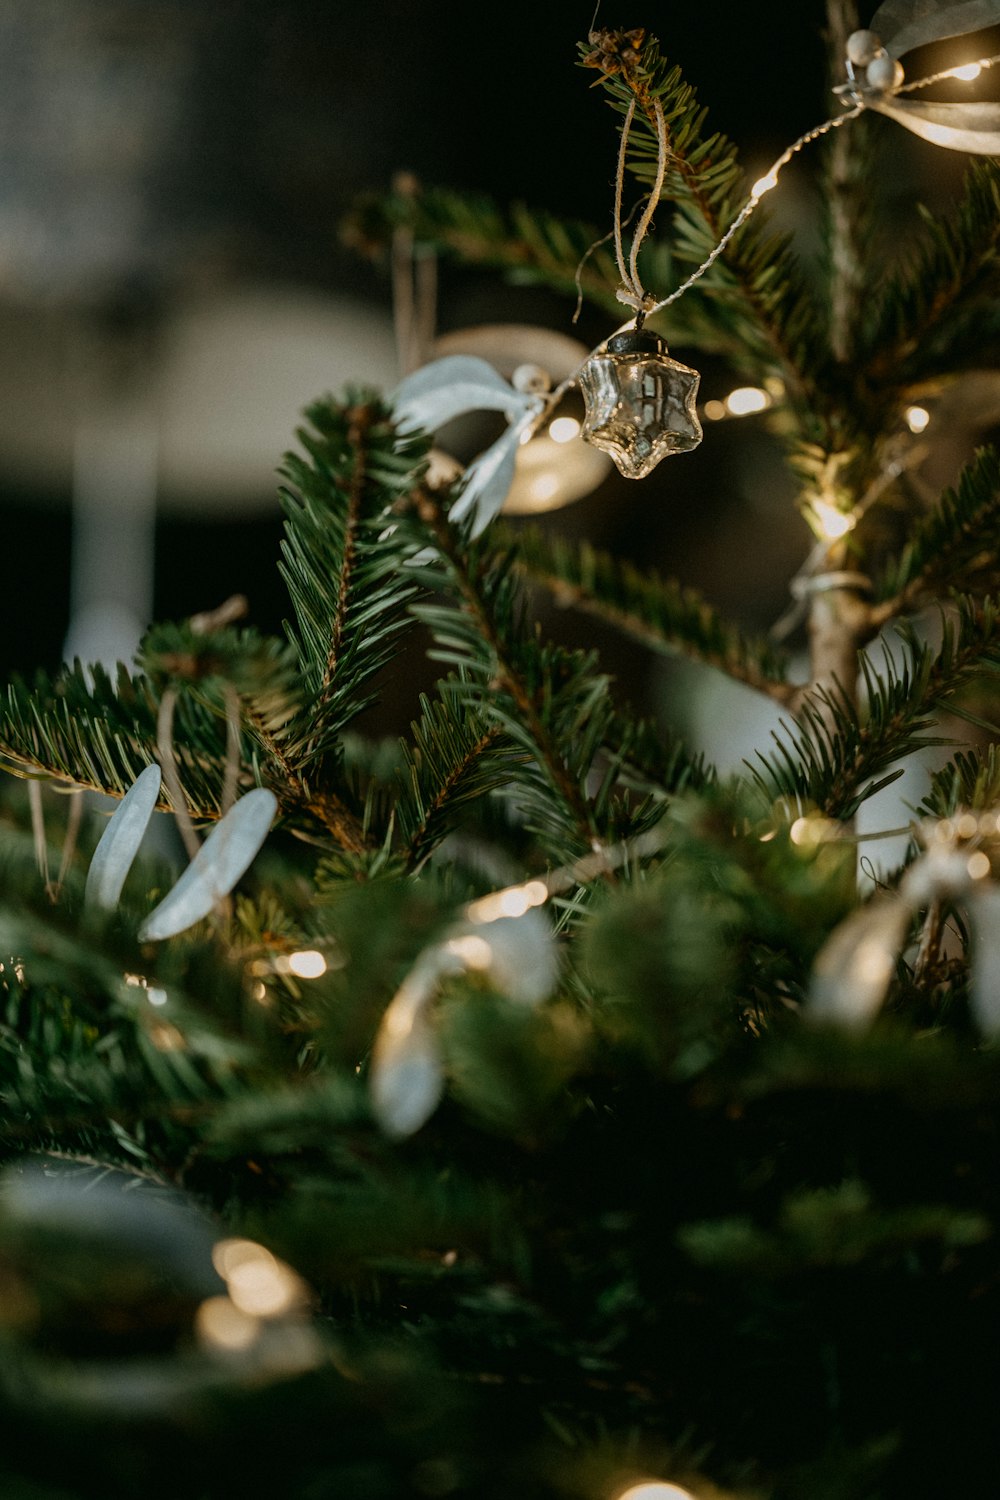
(654, 767)
(909, 328)
(956, 546)
(261, 669)
(455, 757)
(79, 1040)
(531, 247)
(651, 609)
(835, 760)
(967, 339)
(552, 704)
(342, 565)
(530, 692)
(970, 782)
(81, 728)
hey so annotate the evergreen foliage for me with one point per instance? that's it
(660, 1222)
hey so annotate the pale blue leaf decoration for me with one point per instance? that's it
(905, 24)
(971, 127)
(224, 857)
(984, 995)
(448, 388)
(854, 967)
(119, 843)
(407, 1078)
(524, 959)
(489, 477)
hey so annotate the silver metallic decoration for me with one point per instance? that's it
(898, 27)
(640, 403)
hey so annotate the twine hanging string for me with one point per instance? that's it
(632, 292)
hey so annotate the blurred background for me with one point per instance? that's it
(174, 288)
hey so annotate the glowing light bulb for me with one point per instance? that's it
(259, 1284)
(307, 964)
(220, 1323)
(967, 72)
(156, 996)
(656, 1489)
(474, 952)
(746, 399)
(832, 523)
(916, 418)
(763, 185)
(714, 411)
(806, 832)
(978, 866)
(564, 429)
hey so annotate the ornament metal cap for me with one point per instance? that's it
(640, 403)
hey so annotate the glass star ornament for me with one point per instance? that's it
(640, 402)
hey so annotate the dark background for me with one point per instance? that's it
(151, 148)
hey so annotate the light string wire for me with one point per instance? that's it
(762, 186)
(806, 830)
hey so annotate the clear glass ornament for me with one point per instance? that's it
(640, 403)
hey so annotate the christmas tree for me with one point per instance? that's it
(524, 1107)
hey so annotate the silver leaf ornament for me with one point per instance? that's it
(524, 962)
(119, 843)
(905, 24)
(223, 858)
(449, 387)
(971, 127)
(854, 967)
(902, 25)
(489, 477)
(407, 1073)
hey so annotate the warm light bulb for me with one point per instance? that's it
(832, 523)
(967, 72)
(978, 865)
(714, 411)
(544, 486)
(564, 429)
(259, 1285)
(512, 902)
(763, 185)
(656, 1489)
(916, 418)
(746, 399)
(309, 963)
(221, 1324)
(474, 952)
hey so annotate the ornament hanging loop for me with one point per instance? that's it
(632, 291)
